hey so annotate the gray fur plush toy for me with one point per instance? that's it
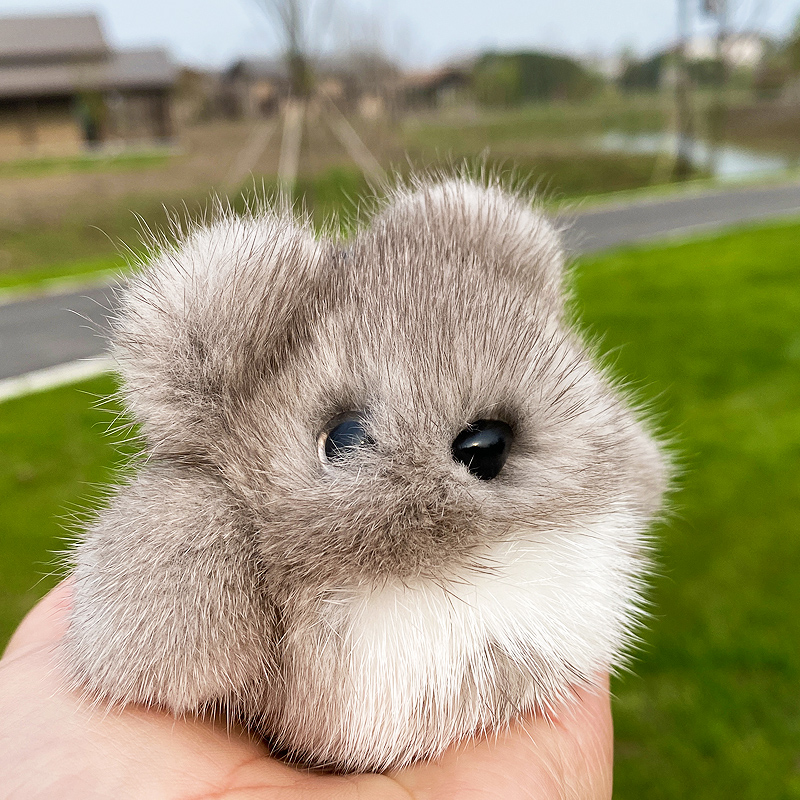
(389, 501)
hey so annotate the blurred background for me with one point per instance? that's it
(664, 135)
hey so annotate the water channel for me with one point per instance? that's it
(729, 162)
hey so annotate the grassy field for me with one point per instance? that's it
(31, 254)
(65, 216)
(58, 214)
(550, 141)
(90, 162)
(538, 122)
(34, 255)
(710, 333)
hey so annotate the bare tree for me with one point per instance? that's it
(291, 20)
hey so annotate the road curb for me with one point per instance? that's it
(52, 377)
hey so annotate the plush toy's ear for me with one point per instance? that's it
(506, 230)
(208, 316)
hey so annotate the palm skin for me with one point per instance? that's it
(53, 745)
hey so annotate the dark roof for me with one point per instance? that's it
(50, 38)
(126, 69)
(140, 69)
(265, 68)
(259, 68)
(431, 80)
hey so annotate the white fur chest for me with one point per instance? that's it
(400, 671)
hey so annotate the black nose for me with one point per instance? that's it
(483, 447)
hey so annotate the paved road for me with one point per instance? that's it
(46, 331)
(683, 215)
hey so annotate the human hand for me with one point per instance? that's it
(53, 745)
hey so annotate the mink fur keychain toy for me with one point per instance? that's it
(389, 500)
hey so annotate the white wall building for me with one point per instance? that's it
(740, 50)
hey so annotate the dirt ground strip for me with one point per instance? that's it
(205, 155)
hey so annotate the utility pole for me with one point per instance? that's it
(717, 107)
(683, 105)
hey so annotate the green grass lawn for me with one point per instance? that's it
(84, 162)
(709, 332)
(87, 270)
(57, 453)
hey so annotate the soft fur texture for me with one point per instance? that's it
(365, 614)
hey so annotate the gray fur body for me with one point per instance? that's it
(368, 614)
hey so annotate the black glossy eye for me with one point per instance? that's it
(483, 447)
(347, 434)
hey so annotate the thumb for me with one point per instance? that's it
(45, 623)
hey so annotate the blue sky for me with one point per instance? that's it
(418, 32)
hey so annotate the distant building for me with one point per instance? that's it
(742, 53)
(62, 88)
(740, 50)
(254, 87)
(436, 88)
(257, 87)
(610, 67)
